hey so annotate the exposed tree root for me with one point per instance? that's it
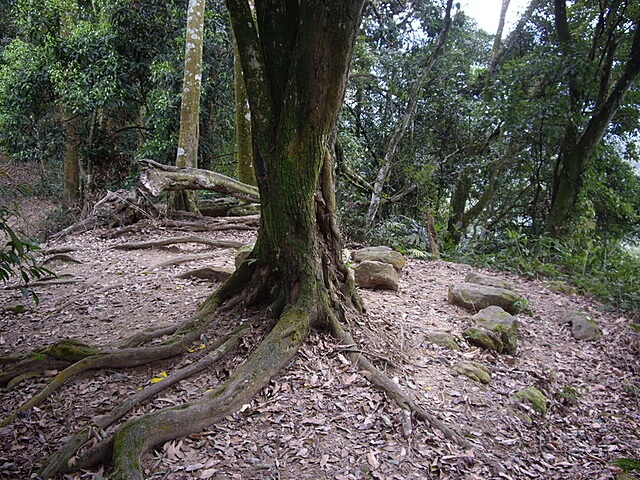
(173, 241)
(115, 209)
(270, 356)
(183, 259)
(60, 257)
(202, 225)
(60, 461)
(393, 390)
(214, 274)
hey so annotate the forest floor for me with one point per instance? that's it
(320, 419)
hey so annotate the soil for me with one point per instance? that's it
(320, 418)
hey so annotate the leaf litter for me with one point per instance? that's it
(320, 418)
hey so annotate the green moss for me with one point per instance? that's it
(475, 371)
(69, 349)
(484, 338)
(534, 397)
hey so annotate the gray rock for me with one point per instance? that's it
(480, 279)
(475, 297)
(376, 275)
(583, 327)
(380, 254)
(475, 371)
(444, 339)
(503, 324)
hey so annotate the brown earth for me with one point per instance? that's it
(320, 419)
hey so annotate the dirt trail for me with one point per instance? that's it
(320, 418)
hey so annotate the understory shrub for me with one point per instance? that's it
(606, 269)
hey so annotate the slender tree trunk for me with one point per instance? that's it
(401, 126)
(244, 140)
(71, 161)
(187, 155)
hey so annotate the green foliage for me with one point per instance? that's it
(16, 255)
(627, 464)
(605, 269)
(114, 69)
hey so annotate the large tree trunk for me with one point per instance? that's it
(295, 59)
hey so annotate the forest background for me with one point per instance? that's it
(518, 153)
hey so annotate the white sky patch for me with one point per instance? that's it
(487, 13)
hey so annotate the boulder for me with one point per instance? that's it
(376, 275)
(480, 279)
(475, 371)
(475, 297)
(481, 337)
(534, 398)
(444, 340)
(583, 327)
(503, 324)
(380, 254)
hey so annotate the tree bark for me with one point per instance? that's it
(244, 143)
(157, 178)
(71, 161)
(187, 155)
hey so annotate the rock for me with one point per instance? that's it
(503, 324)
(583, 327)
(559, 286)
(475, 371)
(380, 254)
(376, 275)
(534, 397)
(242, 253)
(480, 279)
(475, 297)
(481, 337)
(444, 339)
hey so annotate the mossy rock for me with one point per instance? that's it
(444, 339)
(583, 327)
(475, 297)
(502, 323)
(376, 275)
(480, 279)
(475, 371)
(559, 286)
(481, 337)
(534, 398)
(380, 254)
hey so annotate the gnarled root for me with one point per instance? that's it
(270, 356)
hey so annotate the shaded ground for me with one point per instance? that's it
(320, 419)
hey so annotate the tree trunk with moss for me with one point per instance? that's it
(187, 155)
